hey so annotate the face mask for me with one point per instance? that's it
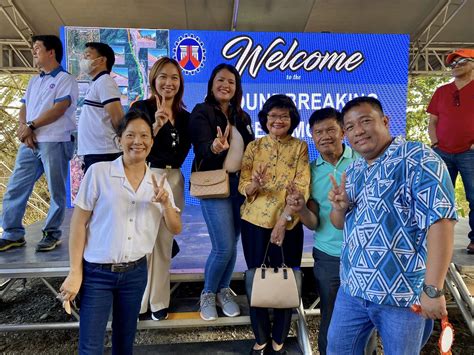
(86, 65)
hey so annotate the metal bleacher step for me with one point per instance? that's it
(184, 313)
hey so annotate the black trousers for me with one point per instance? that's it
(254, 242)
(90, 159)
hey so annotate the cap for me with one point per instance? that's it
(462, 52)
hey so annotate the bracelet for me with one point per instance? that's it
(434, 145)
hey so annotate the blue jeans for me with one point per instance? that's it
(102, 290)
(462, 163)
(51, 159)
(222, 216)
(402, 331)
(326, 275)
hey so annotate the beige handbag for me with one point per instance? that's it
(210, 184)
(273, 287)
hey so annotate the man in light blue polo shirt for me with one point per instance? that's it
(46, 120)
(334, 157)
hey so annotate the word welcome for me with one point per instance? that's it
(254, 58)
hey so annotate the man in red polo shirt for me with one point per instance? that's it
(451, 125)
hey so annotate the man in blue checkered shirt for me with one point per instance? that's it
(396, 206)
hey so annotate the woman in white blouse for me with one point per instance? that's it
(118, 210)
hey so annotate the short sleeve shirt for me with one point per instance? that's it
(96, 135)
(327, 238)
(455, 111)
(394, 202)
(124, 223)
(43, 92)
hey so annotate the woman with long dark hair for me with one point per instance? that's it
(171, 145)
(220, 131)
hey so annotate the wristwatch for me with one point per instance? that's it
(31, 125)
(432, 291)
(287, 217)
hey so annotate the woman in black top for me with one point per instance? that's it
(220, 130)
(171, 145)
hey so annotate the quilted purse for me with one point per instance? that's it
(210, 184)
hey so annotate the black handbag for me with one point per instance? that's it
(273, 287)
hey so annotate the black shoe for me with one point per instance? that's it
(470, 248)
(162, 314)
(282, 351)
(258, 352)
(7, 244)
(47, 243)
(144, 316)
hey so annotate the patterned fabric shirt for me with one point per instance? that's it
(286, 160)
(394, 202)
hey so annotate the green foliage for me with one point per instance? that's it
(420, 91)
(12, 89)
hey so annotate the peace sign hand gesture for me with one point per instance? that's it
(161, 195)
(221, 142)
(338, 195)
(161, 114)
(259, 176)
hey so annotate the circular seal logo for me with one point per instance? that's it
(190, 53)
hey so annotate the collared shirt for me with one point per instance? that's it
(43, 92)
(124, 223)
(327, 238)
(286, 160)
(455, 111)
(395, 200)
(96, 135)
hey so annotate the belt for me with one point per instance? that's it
(163, 166)
(120, 267)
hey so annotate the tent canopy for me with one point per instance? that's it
(436, 27)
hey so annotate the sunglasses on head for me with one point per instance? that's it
(460, 61)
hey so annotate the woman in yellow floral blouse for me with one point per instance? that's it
(271, 166)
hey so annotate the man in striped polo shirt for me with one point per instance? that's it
(102, 110)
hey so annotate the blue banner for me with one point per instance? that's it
(315, 69)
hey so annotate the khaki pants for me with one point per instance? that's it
(157, 292)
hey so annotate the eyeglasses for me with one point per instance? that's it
(283, 118)
(460, 62)
(456, 98)
(175, 138)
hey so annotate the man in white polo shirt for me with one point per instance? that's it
(102, 110)
(46, 120)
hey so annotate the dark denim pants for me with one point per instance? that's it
(326, 274)
(101, 291)
(462, 163)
